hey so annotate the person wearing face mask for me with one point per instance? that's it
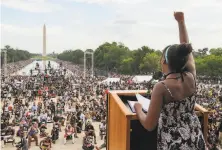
(172, 102)
(69, 133)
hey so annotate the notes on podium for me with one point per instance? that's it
(145, 102)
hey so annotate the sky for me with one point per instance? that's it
(86, 24)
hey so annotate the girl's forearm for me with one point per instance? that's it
(183, 32)
(142, 117)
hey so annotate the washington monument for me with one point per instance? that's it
(44, 41)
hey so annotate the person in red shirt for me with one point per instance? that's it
(39, 94)
(69, 131)
(46, 88)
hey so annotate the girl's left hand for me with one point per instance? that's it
(137, 107)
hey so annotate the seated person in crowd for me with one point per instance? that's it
(9, 134)
(73, 121)
(69, 131)
(102, 126)
(90, 131)
(43, 117)
(103, 145)
(46, 144)
(23, 144)
(34, 108)
(33, 133)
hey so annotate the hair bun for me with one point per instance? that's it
(184, 49)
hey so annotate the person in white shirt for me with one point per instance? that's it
(83, 118)
(43, 116)
(6, 108)
(47, 93)
(29, 93)
(47, 104)
(66, 93)
(9, 95)
(102, 126)
(10, 88)
(26, 108)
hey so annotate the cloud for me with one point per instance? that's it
(132, 22)
(125, 22)
(108, 1)
(30, 38)
(30, 31)
(36, 6)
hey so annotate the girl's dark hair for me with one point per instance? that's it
(177, 56)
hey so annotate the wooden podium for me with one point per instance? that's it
(124, 131)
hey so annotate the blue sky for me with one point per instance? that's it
(82, 24)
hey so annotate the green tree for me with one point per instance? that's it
(78, 56)
(209, 65)
(216, 51)
(150, 63)
(117, 57)
(203, 52)
(14, 55)
(138, 56)
(126, 66)
(108, 56)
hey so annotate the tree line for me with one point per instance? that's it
(14, 55)
(116, 57)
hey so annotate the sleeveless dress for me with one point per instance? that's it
(179, 127)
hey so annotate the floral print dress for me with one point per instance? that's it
(179, 127)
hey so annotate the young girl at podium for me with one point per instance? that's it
(173, 99)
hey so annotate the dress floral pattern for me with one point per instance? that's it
(179, 127)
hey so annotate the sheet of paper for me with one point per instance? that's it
(131, 104)
(145, 102)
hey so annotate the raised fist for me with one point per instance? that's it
(179, 16)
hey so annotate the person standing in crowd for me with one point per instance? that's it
(173, 99)
(34, 107)
(82, 117)
(40, 94)
(52, 108)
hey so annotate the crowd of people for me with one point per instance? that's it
(210, 97)
(64, 98)
(56, 97)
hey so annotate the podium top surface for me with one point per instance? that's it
(128, 92)
(117, 94)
